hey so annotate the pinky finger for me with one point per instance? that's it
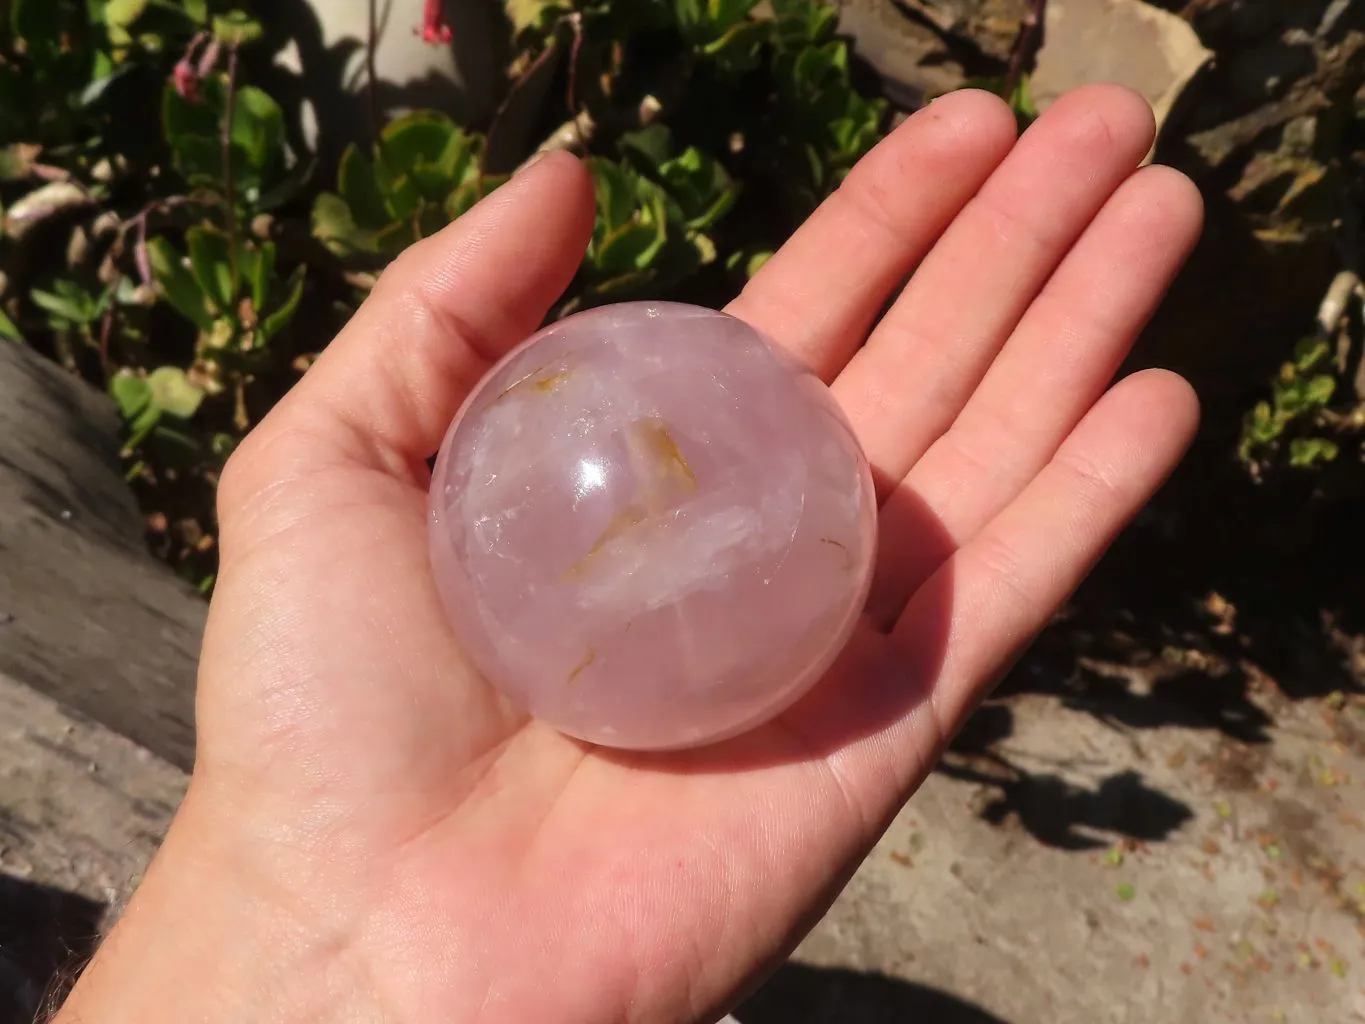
(1004, 584)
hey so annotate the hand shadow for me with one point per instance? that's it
(802, 994)
(43, 932)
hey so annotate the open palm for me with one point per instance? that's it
(462, 863)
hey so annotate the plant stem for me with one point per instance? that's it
(106, 330)
(575, 51)
(371, 67)
(229, 178)
(1026, 44)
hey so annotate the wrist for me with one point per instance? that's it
(209, 937)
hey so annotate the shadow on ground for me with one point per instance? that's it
(44, 932)
(1055, 811)
(801, 994)
(1229, 601)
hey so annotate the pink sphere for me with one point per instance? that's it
(651, 527)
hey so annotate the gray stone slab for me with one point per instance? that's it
(86, 616)
(82, 810)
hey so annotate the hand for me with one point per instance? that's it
(371, 834)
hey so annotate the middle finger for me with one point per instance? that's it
(921, 364)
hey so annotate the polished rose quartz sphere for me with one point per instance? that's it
(652, 528)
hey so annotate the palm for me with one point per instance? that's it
(585, 884)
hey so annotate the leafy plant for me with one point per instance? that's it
(425, 171)
(1300, 397)
(168, 259)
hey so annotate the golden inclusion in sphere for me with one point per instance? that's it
(651, 527)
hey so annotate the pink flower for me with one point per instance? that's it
(189, 73)
(185, 77)
(434, 29)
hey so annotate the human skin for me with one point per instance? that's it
(372, 834)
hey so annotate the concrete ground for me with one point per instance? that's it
(1083, 872)
(1059, 868)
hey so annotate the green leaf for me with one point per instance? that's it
(293, 294)
(133, 397)
(173, 393)
(180, 117)
(532, 15)
(616, 193)
(223, 445)
(1263, 425)
(1290, 397)
(9, 330)
(1021, 101)
(704, 246)
(258, 127)
(459, 202)
(178, 284)
(236, 28)
(1308, 352)
(756, 261)
(737, 48)
(287, 188)
(401, 196)
(803, 22)
(131, 394)
(199, 160)
(1318, 390)
(421, 137)
(1308, 451)
(649, 146)
(68, 301)
(702, 187)
(211, 263)
(258, 268)
(1125, 891)
(360, 191)
(459, 151)
(629, 247)
(124, 12)
(335, 227)
(100, 84)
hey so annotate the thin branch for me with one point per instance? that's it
(229, 178)
(1026, 44)
(139, 221)
(371, 68)
(107, 329)
(576, 20)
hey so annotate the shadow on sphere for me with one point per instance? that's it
(801, 994)
(873, 684)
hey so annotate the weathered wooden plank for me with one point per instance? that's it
(86, 615)
(82, 810)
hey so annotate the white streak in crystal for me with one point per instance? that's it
(660, 561)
